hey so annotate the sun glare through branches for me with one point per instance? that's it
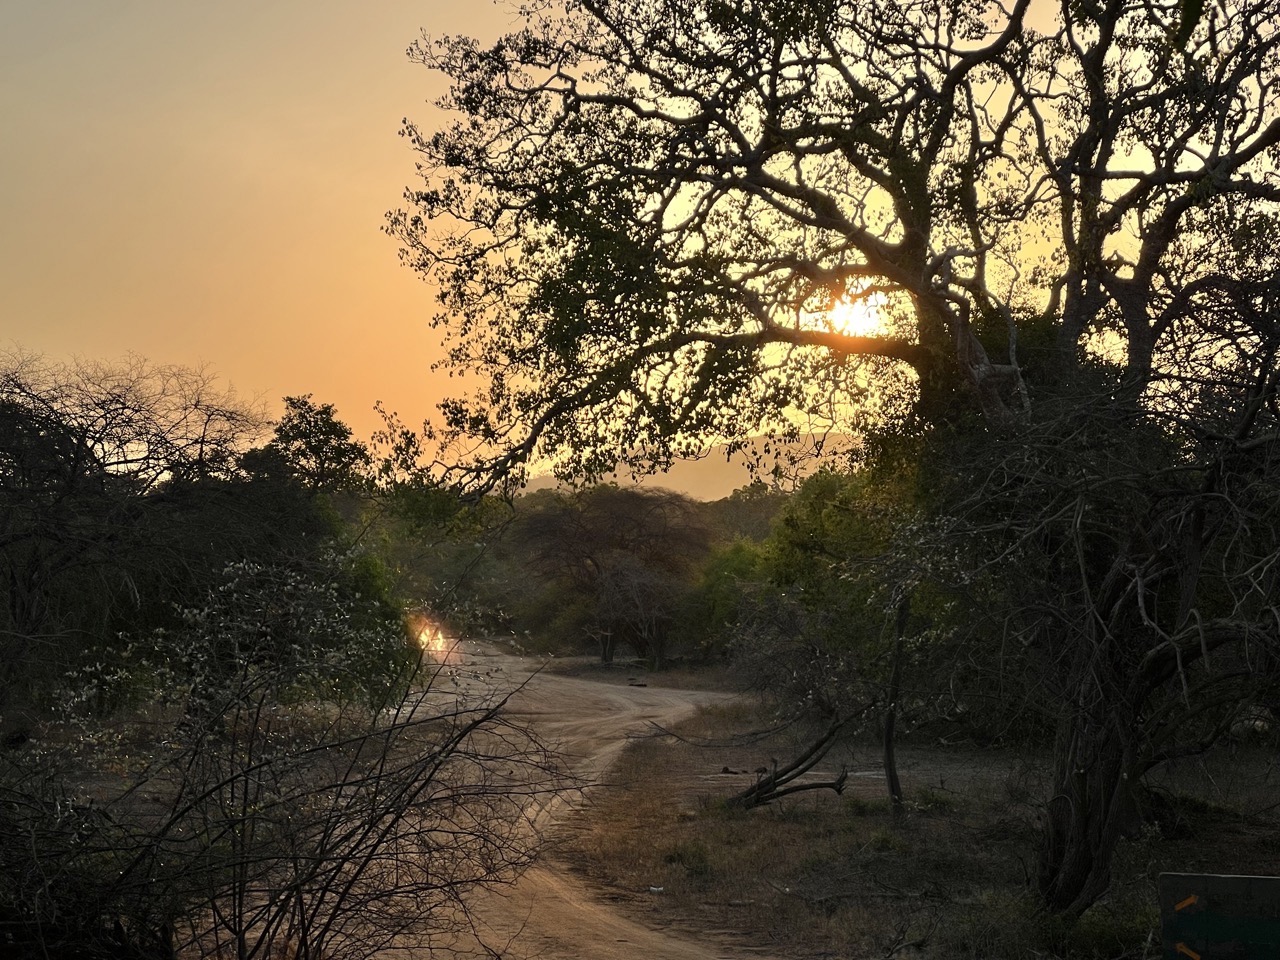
(856, 317)
(854, 314)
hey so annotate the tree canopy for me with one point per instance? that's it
(622, 558)
(315, 448)
(645, 209)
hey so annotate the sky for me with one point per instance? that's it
(204, 184)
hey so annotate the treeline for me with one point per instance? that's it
(126, 491)
(637, 572)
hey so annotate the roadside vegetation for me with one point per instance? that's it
(825, 875)
(807, 620)
(218, 737)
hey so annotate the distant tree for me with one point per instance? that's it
(624, 554)
(747, 513)
(316, 448)
(728, 580)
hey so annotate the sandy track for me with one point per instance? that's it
(549, 914)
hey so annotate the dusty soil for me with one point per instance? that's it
(648, 864)
(549, 913)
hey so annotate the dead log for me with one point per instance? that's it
(771, 784)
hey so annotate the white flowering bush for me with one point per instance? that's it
(301, 631)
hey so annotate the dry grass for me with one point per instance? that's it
(821, 875)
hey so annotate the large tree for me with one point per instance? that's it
(647, 206)
(646, 209)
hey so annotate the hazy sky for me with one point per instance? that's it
(204, 183)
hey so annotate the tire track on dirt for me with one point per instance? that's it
(548, 913)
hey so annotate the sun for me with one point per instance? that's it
(860, 317)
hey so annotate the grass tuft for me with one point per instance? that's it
(693, 856)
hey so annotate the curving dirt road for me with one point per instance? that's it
(549, 914)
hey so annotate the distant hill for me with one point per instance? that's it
(714, 476)
(711, 478)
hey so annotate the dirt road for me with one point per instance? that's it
(550, 914)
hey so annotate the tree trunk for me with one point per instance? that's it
(1092, 807)
(891, 764)
(891, 712)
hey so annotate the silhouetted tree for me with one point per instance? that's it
(646, 209)
(315, 448)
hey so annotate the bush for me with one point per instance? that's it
(281, 789)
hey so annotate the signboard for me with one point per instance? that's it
(1208, 917)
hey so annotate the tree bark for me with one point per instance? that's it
(891, 711)
(1091, 809)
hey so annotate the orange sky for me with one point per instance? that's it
(204, 183)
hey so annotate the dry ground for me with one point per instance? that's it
(550, 913)
(821, 875)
